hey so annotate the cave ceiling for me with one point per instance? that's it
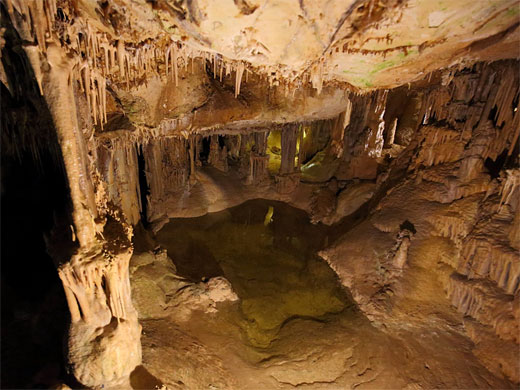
(198, 65)
(367, 44)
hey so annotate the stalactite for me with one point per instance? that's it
(238, 79)
(289, 139)
(391, 133)
(483, 258)
(113, 50)
(92, 301)
(86, 84)
(439, 145)
(316, 76)
(168, 165)
(258, 168)
(93, 101)
(337, 134)
(510, 185)
(300, 148)
(38, 13)
(192, 146)
(121, 58)
(105, 58)
(175, 65)
(103, 97)
(492, 87)
(375, 121)
(484, 303)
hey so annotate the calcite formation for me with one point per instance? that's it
(447, 192)
(394, 122)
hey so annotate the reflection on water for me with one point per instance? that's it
(266, 249)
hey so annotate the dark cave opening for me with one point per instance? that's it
(495, 166)
(204, 152)
(407, 225)
(34, 310)
(221, 141)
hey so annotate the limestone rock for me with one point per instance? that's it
(350, 199)
(157, 291)
(105, 356)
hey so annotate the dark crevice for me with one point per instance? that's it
(494, 167)
(204, 152)
(143, 184)
(407, 225)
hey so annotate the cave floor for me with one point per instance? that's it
(293, 325)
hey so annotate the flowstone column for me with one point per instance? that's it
(288, 179)
(104, 336)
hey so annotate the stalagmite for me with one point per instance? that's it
(401, 253)
(91, 305)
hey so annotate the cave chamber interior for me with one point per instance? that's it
(260, 194)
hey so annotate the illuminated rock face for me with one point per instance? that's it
(391, 116)
(463, 217)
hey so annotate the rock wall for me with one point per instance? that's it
(456, 183)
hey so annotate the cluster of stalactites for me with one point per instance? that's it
(364, 116)
(97, 290)
(98, 58)
(36, 20)
(495, 93)
(117, 164)
(96, 280)
(129, 66)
